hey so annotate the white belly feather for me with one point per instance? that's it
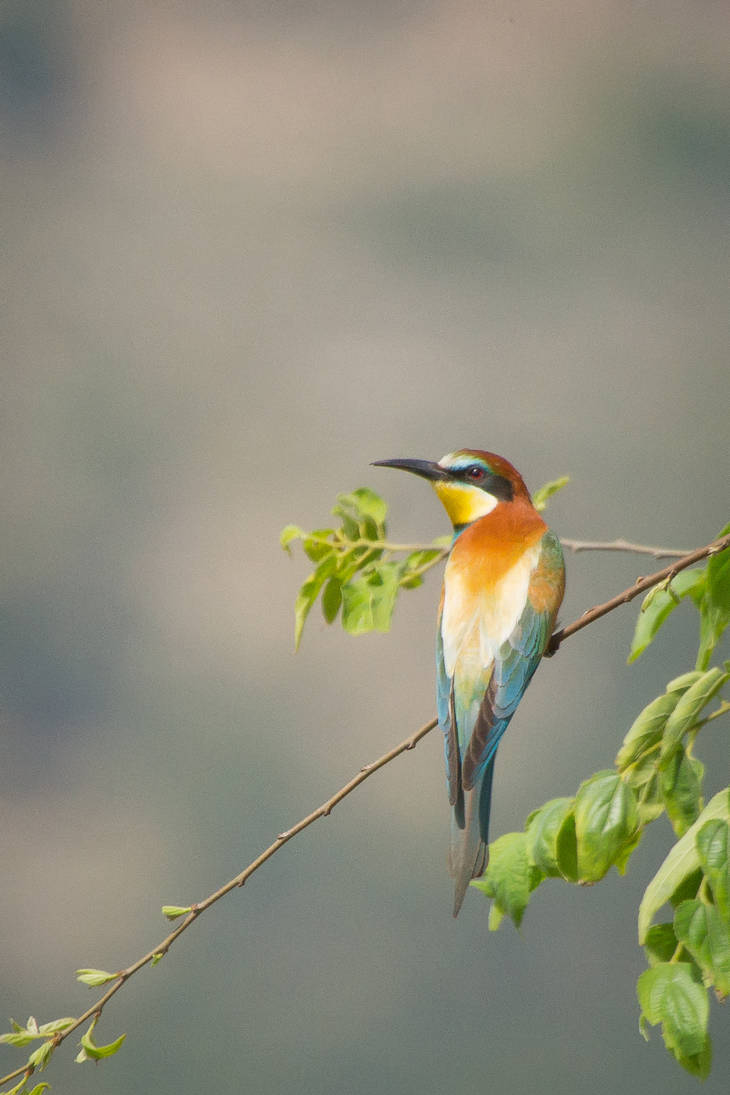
(474, 628)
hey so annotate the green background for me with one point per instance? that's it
(247, 249)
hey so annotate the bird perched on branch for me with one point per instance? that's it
(503, 584)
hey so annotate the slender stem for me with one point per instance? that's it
(622, 545)
(572, 545)
(326, 808)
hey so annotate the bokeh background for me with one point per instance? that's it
(247, 248)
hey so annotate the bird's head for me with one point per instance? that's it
(470, 482)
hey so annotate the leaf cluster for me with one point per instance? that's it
(356, 569)
(579, 838)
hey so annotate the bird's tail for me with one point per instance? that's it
(470, 834)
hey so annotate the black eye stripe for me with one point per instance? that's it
(497, 485)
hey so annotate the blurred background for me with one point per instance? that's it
(247, 248)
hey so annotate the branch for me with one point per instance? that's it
(194, 911)
(640, 586)
(622, 545)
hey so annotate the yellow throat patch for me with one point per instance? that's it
(463, 502)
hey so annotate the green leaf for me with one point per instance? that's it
(681, 862)
(687, 713)
(156, 958)
(547, 490)
(18, 1038)
(289, 533)
(39, 1089)
(308, 594)
(92, 978)
(670, 994)
(370, 504)
(646, 730)
(97, 1053)
(660, 943)
(56, 1025)
(172, 912)
(331, 599)
(702, 931)
(566, 849)
(683, 682)
(622, 859)
(368, 601)
(313, 546)
(606, 819)
(715, 607)
(713, 849)
(40, 1057)
(659, 603)
(681, 789)
(507, 878)
(542, 828)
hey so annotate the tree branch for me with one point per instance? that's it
(641, 585)
(152, 956)
(622, 545)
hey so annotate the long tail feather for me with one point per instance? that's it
(470, 835)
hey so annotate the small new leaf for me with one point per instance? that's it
(93, 978)
(40, 1057)
(172, 912)
(97, 1053)
(544, 493)
(288, 534)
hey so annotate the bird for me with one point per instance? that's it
(503, 584)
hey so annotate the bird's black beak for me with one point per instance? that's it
(428, 469)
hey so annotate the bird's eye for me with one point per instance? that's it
(475, 473)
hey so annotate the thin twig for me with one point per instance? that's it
(326, 808)
(623, 545)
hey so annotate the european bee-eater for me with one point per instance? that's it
(503, 584)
